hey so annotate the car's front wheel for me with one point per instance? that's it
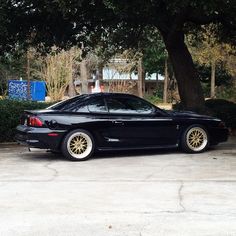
(195, 139)
(78, 145)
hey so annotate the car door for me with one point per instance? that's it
(98, 121)
(136, 123)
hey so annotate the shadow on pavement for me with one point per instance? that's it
(41, 155)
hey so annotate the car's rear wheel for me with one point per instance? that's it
(195, 139)
(78, 145)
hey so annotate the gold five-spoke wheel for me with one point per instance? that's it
(196, 139)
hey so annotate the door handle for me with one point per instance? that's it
(118, 122)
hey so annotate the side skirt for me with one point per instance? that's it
(136, 148)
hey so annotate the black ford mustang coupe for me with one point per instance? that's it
(114, 121)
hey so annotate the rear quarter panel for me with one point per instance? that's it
(95, 124)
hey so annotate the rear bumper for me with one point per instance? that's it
(39, 137)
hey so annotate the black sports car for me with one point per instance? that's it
(113, 121)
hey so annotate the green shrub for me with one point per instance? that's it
(220, 108)
(10, 111)
(153, 99)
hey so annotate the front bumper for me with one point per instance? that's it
(218, 135)
(38, 137)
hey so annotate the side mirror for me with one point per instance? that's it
(158, 113)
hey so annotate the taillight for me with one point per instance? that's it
(34, 121)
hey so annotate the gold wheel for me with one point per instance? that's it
(197, 139)
(79, 145)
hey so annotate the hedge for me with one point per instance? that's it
(10, 112)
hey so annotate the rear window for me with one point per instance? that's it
(69, 104)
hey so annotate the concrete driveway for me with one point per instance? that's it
(127, 193)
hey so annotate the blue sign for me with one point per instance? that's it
(38, 90)
(18, 90)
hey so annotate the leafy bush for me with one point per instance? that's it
(220, 108)
(10, 111)
(153, 99)
(228, 93)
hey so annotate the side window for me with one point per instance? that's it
(128, 105)
(97, 105)
(139, 106)
(76, 107)
(116, 106)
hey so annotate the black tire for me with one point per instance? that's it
(78, 145)
(195, 139)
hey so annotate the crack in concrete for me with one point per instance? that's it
(115, 181)
(181, 197)
(148, 177)
(55, 172)
(195, 212)
(168, 212)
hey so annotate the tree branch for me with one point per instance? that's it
(200, 19)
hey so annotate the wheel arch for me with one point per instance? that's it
(67, 137)
(85, 128)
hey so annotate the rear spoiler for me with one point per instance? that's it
(44, 111)
(33, 112)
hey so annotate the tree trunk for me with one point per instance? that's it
(71, 86)
(84, 77)
(157, 81)
(165, 82)
(143, 81)
(100, 72)
(28, 74)
(140, 78)
(71, 89)
(213, 78)
(189, 86)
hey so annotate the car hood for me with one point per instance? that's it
(190, 114)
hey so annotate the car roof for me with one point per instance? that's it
(110, 94)
(88, 96)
